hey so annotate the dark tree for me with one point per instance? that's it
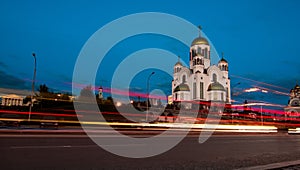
(87, 92)
(43, 89)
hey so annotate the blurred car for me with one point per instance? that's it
(11, 120)
(49, 122)
(252, 115)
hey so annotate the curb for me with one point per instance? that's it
(273, 165)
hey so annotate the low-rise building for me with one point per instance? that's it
(12, 100)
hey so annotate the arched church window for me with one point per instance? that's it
(198, 61)
(214, 77)
(193, 53)
(194, 62)
(205, 53)
(181, 96)
(183, 79)
(295, 103)
(215, 96)
(199, 50)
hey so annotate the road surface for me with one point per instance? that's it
(80, 152)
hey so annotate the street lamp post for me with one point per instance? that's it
(147, 102)
(32, 86)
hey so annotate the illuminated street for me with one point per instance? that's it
(79, 152)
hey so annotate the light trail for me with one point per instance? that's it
(264, 90)
(38, 113)
(259, 82)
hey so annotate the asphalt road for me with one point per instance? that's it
(79, 152)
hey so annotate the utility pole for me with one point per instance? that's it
(32, 87)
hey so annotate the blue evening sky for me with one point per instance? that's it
(258, 37)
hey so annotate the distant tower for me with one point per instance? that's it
(223, 66)
(293, 109)
(100, 92)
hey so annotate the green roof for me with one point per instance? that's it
(178, 63)
(215, 87)
(182, 87)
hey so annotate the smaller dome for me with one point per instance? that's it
(199, 41)
(182, 87)
(215, 87)
(178, 63)
(223, 60)
(297, 86)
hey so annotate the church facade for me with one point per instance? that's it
(201, 81)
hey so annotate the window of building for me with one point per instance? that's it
(194, 90)
(205, 53)
(295, 103)
(214, 77)
(181, 96)
(193, 53)
(201, 90)
(183, 79)
(199, 50)
(222, 97)
(215, 96)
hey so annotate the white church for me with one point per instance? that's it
(202, 81)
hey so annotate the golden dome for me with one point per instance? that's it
(199, 41)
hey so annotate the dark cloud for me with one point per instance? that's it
(9, 81)
(3, 65)
(64, 78)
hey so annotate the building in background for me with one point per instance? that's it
(12, 100)
(100, 93)
(293, 109)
